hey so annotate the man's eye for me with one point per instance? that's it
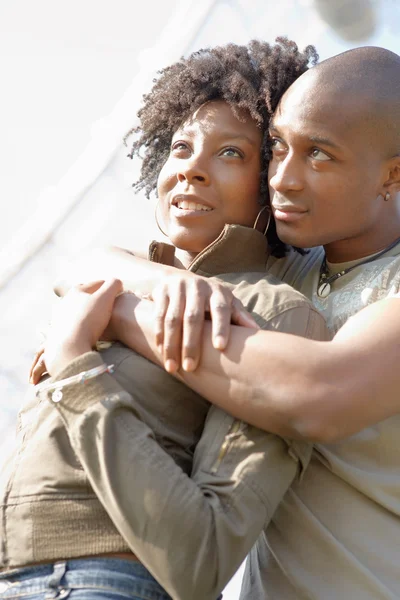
(277, 145)
(318, 154)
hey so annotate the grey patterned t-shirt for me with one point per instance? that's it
(349, 294)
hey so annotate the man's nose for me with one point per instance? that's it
(193, 171)
(286, 174)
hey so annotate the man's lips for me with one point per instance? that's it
(287, 212)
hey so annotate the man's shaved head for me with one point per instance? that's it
(362, 84)
(366, 67)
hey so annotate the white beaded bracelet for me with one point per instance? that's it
(79, 378)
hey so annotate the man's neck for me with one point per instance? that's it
(358, 248)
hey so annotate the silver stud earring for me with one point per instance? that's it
(387, 197)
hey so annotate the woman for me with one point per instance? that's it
(132, 473)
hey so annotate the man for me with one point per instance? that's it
(335, 177)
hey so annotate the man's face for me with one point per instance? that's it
(325, 173)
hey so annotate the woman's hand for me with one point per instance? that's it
(38, 366)
(77, 323)
(183, 302)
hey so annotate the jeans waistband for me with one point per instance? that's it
(120, 565)
(56, 580)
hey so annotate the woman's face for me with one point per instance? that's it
(211, 177)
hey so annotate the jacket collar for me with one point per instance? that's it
(236, 249)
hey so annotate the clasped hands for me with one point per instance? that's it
(181, 303)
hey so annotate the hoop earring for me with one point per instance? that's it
(156, 218)
(386, 197)
(258, 224)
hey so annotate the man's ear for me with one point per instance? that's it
(392, 183)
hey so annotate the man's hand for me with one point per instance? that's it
(182, 304)
(78, 322)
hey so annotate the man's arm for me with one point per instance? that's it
(320, 391)
(133, 269)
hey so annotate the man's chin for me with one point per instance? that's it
(288, 235)
(296, 239)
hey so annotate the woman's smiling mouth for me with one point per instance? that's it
(184, 205)
(188, 205)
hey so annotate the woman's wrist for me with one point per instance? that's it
(58, 359)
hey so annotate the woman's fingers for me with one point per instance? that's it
(97, 307)
(105, 292)
(79, 320)
(38, 367)
(38, 371)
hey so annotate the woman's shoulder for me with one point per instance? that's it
(275, 305)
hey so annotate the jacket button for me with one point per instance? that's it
(57, 395)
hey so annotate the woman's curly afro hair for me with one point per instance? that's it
(251, 78)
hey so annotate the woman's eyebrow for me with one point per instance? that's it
(182, 131)
(238, 136)
(226, 135)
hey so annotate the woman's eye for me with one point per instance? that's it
(318, 154)
(232, 152)
(179, 147)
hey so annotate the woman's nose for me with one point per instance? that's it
(286, 174)
(193, 171)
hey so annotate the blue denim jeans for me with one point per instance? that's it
(85, 579)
